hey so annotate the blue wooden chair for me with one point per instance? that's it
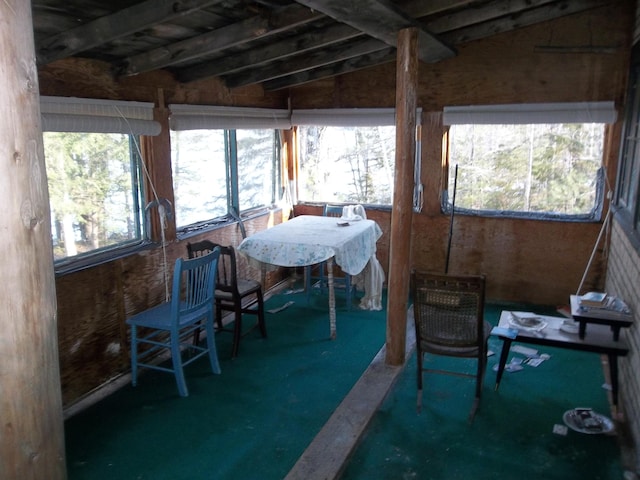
(322, 278)
(171, 324)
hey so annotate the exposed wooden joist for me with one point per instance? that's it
(280, 50)
(461, 35)
(519, 20)
(305, 62)
(383, 20)
(475, 13)
(303, 43)
(110, 27)
(284, 18)
(346, 66)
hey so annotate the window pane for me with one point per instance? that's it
(93, 189)
(347, 164)
(526, 168)
(257, 169)
(199, 175)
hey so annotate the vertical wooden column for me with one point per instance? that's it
(402, 212)
(31, 431)
(156, 155)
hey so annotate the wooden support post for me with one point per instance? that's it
(156, 153)
(401, 216)
(31, 432)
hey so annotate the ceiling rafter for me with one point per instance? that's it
(259, 26)
(110, 27)
(464, 31)
(338, 68)
(258, 57)
(383, 20)
(306, 62)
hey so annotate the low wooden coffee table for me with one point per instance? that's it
(598, 339)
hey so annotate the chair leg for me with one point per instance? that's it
(196, 336)
(177, 367)
(237, 331)
(419, 394)
(211, 346)
(219, 314)
(261, 322)
(134, 355)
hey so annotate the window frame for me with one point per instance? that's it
(362, 117)
(586, 112)
(98, 116)
(234, 213)
(627, 200)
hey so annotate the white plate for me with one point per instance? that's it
(527, 322)
(570, 327)
(585, 420)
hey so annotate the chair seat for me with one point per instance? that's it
(245, 287)
(159, 317)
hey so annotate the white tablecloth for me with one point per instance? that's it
(310, 239)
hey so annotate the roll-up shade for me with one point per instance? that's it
(345, 117)
(202, 117)
(528, 113)
(70, 114)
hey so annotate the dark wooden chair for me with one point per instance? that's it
(449, 320)
(231, 292)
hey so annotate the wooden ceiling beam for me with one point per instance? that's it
(260, 56)
(346, 66)
(518, 20)
(282, 19)
(110, 27)
(458, 36)
(383, 20)
(305, 62)
(303, 43)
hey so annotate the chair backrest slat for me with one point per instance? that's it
(193, 283)
(226, 273)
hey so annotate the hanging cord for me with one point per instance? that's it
(453, 209)
(604, 229)
(162, 205)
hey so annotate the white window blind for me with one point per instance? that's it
(204, 117)
(529, 113)
(345, 117)
(71, 114)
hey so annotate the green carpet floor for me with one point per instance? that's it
(512, 435)
(255, 419)
(251, 422)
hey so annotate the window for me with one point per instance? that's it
(226, 161)
(347, 164)
(199, 175)
(93, 190)
(93, 173)
(627, 186)
(217, 172)
(346, 155)
(544, 169)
